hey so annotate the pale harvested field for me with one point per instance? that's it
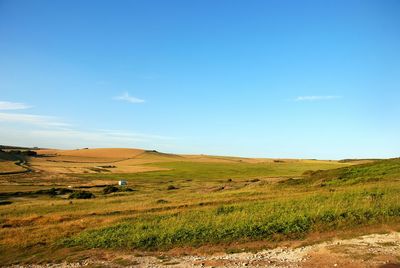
(118, 153)
(112, 160)
(55, 165)
(117, 160)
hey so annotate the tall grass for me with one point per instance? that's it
(291, 218)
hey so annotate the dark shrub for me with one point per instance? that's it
(62, 191)
(127, 189)
(113, 189)
(54, 191)
(5, 202)
(171, 187)
(30, 153)
(81, 195)
(110, 189)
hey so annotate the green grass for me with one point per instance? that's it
(286, 219)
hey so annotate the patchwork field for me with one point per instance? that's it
(186, 204)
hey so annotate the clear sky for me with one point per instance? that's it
(309, 79)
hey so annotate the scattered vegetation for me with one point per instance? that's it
(110, 189)
(209, 207)
(50, 192)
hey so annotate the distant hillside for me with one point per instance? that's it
(95, 152)
(388, 169)
(10, 147)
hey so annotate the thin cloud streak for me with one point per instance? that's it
(110, 137)
(38, 120)
(73, 138)
(126, 97)
(121, 133)
(316, 98)
(7, 105)
(51, 130)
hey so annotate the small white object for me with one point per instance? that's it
(122, 183)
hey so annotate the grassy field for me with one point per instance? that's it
(192, 201)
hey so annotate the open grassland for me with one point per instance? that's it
(193, 202)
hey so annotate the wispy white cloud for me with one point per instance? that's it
(126, 97)
(7, 105)
(38, 120)
(126, 134)
(103, 138)
(316, 98)
(48, 131)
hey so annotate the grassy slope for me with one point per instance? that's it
(377, 171)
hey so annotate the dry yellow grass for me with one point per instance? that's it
(9, 166)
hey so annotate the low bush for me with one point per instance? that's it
(113, 189)
(81, 195)
(110, 189)
(54, 191)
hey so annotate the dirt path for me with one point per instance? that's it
(377, 250)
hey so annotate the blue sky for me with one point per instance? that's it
(309, 79)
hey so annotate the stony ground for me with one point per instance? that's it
(377, 250)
